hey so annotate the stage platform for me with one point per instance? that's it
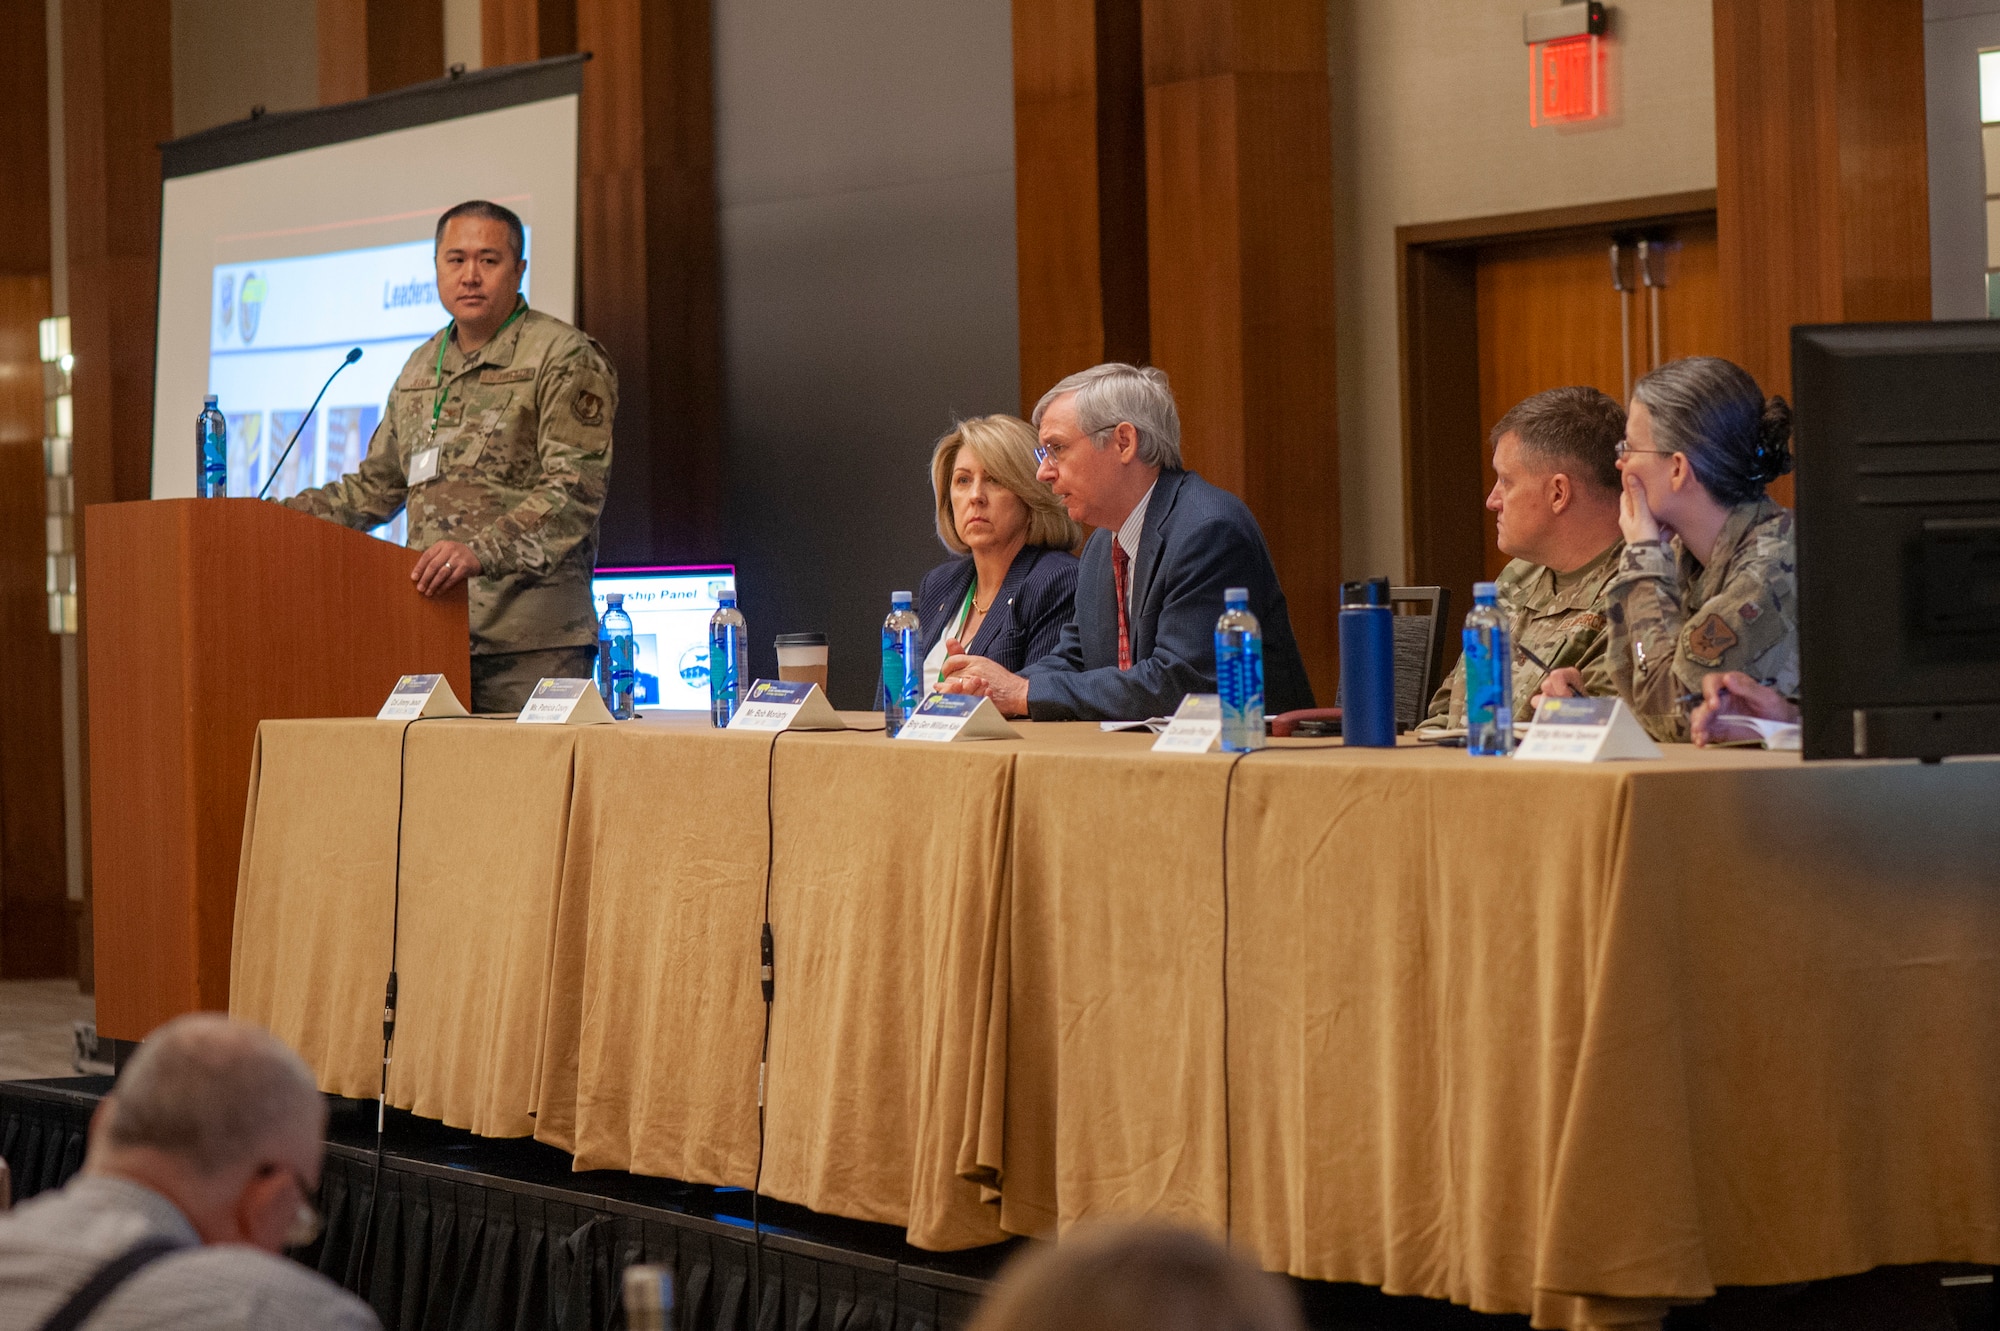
(480, 1233)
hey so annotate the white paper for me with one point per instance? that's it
(418, 696)
(1776, 735)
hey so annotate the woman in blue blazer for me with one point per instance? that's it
(1008, 594)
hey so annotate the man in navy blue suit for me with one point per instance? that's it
(1150, 587)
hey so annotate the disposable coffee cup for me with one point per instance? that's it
(802, 657)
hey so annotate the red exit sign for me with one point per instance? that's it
(1566, 80)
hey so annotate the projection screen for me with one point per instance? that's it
(288, 239)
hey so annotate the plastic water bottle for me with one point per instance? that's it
(902, 663)
(728, 648)
(1489, 675)
(211, 451)
(1239, 672)
(618, 630)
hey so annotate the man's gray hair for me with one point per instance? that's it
(1116, 393)
(213, 1092)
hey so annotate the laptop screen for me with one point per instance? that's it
(670, 607)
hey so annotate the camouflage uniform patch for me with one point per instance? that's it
(521, 474)
(1564, 626)
(1674, 621)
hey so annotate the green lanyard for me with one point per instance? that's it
(444, 389)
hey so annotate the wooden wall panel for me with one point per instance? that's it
(651, 267)
(36, 933)
(512, 32)
(37, 936)
(371, 46)
(1821, 172)
(1239, 215)
(117, 107)
(1079, 188)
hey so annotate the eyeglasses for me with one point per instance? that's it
(1625, 450)
(1046, 454)
(307, 1223)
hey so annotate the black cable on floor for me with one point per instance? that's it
(388, 1006)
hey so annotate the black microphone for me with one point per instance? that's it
(353, 355)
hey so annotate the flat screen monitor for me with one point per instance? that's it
(670, 607)
(1899, 538)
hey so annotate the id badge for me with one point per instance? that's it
(424, 466)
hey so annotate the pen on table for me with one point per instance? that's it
(1721, 692)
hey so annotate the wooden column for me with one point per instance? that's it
(1239, 210)
(1821, 178)
(36, 936)
(1079, 188)
(512, 32)
(117, 109)
(371, 46)
(651, 267)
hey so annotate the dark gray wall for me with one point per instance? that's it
(865, 177)
(1954, 33)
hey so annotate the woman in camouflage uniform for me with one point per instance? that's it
(1707, 579)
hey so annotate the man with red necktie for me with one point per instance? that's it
(1150, 587)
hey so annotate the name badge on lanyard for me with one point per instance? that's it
(424, 466)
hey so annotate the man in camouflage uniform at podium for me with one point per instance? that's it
(1556, 491)
(497, 441)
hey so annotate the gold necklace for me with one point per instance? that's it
(979, 609)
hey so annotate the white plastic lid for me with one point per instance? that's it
(613, 600)
(898, 600)
(208, 401)
(1488, 590)
(1236, 596)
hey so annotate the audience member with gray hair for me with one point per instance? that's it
(1148, 593)
(200, 1172)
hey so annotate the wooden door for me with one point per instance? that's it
(1549, 315)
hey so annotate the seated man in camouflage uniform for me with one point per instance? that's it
(497, 439)
(1555, 459)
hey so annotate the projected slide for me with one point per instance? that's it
(278, 328)
(287, 240)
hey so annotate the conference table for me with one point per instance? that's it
(1577, 1041)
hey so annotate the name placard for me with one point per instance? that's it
(565, 702)
(943, 717)
(418, 696)
(785, 704)
(1585, 730)
(1195, 728)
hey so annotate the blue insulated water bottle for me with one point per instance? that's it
(1367, 665)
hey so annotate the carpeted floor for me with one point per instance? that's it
(37, 1019)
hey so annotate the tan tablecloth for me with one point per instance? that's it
(485, 813)
(1576, 1041)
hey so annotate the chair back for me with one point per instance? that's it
(1418, 647)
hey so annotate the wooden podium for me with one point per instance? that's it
(202, 618)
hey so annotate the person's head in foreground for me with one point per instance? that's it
(1701, 439)
(1556, 483)
(222, 1120)
(988, 499)
(1136, 1275)
(1105, 435)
